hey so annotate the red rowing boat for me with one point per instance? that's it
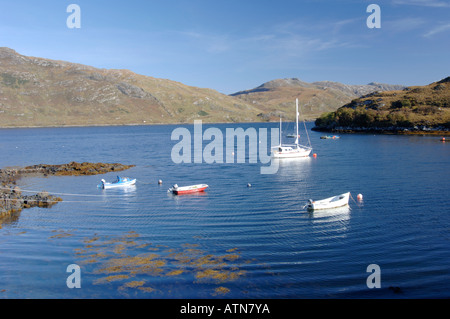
(187, 189)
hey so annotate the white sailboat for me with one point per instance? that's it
(292, 150)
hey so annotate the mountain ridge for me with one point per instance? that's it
(36, 92)
(315, 98)
(42, 92)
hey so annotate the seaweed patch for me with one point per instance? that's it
(128, 262)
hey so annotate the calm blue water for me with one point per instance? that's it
(233, 241)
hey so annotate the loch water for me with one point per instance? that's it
(232, 241)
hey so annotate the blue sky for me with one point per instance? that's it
(236, 45)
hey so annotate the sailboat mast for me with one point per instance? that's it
(280, 130)
(296, 118)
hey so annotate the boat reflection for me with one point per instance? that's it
(196, 194)
(125, 193)
(332, 214)
(293, 160)
(196, 197)
(293, 166)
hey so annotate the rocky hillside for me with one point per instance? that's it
(43, 92)
(413, 109)
(277, 96)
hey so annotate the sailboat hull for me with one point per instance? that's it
(300, 152)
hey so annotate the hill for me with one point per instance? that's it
(413, 109)
(43, 92)
(276, 97)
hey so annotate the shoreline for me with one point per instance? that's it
(384, 131)
(137, 124)
(381, 131)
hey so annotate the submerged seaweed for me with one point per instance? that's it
(132, 263)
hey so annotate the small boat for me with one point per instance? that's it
(187, 189)
(120, 182)
(292, 135)
(327, 137)
(327, 203)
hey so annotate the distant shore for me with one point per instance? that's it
(384, 131)
(372, 130)
(144, 124)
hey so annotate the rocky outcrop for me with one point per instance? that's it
(12, 201)
(74, 168)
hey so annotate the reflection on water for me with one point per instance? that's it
(293, 163)
(332, 214)
(297, 168)
(125, 192)
(331, 223)
(186, 197)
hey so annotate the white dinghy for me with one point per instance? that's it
(327, 203)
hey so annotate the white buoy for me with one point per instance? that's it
(160, 182)
(359, 197)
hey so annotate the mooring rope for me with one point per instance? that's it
(54, 201)
(353, 198)
(66, 194)
(139, 182)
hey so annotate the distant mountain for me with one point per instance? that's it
(413, 109)
(277, 97)
(43, 92)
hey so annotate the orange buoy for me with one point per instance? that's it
(359, 197)
(314, 155)
(443, 139)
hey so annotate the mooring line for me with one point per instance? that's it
(67, 194)
(54, 201)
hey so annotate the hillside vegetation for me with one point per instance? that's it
(416, 108)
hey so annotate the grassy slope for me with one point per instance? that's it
(42, 92)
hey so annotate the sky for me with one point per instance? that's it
(232, 45)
